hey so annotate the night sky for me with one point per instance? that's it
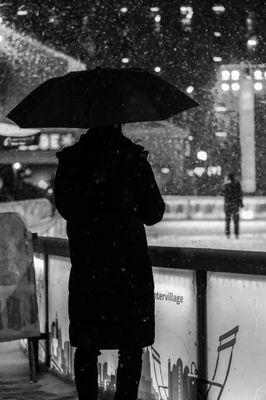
(105, 32)
(99, 33)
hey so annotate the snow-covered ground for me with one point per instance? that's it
(208, 234)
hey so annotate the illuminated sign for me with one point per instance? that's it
(55, 141)
(41, 141)
(10, 142)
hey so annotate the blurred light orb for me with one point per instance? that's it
(220, 108)
(27, 172)
(217, 59)
(202, 155)
(124, 9)
(22, 12)
(258, 74)
(258, 86)
(199, 171)
(183, 10)
(190, 89)
(157, 69)
(16, 166)
(235, 75)
(252, 42)
(225, 75)
(43, 184)
(157, 18)
(235, 86)
(217, 34)
(125, 60)
(221, 134)
(225, 87)
(154, 9)
(218, 9)
(165, 170)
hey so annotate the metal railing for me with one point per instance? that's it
(201, 261)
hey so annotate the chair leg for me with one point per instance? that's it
(33, 359)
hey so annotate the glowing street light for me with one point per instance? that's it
(258, 74)
(235, 74)
(225, 87)
(124, 10)
(22, 11)
(16, 166)
(225, 75)
(258, 86)
(221, 134)
(220, 108)
(157, 69)
(183, 10)
(157, 18)
(190, 89)
(235, 86)
(155, 9)
(43, 184)
(125, 60)
(252, 42)
(218, 9)
(202, 155)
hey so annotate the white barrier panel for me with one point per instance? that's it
(236, 332)
(166, 364)
(33, 211)
(211, 208)
(237, 300)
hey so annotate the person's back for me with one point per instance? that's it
(106, 191)
(232, 193)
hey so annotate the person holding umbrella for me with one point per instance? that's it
(106, 190)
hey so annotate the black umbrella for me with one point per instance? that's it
(99, 97)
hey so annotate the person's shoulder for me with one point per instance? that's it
(134, 151)
(68, 152)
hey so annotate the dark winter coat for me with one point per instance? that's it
(232, 193)
(105, 189)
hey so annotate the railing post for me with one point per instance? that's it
(201, 282)
(47, 339)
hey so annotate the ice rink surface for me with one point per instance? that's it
(208, 234)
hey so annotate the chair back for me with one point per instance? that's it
(223, 363)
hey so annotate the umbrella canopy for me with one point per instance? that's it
(9, 128)
(100, 97)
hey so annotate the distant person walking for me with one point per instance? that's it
(232, 193)
(106, 190)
